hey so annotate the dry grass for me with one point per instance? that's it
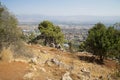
(21, 50)
(6, 54)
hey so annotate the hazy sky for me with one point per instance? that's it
(64, 7)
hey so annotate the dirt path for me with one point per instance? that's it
(12, 71)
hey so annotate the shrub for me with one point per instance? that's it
(50, 33)
(9, 32)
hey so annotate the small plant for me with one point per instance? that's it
(6, 54)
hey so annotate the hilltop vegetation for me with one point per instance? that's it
(103, 42)
(51, 33)
(10, 34)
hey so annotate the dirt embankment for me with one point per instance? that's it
(13, 70)
(52, 64)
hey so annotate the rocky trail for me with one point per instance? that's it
(52, 64)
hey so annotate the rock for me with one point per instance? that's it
(20, 60)
(48, 62)
(33, 68)
(42, 69)
(40, 45)
(45, 52)
(58, 46)
(54, 60)
(39, 51)
(62, 65)
(48, 78)
(85, 72)
(109, 77)
(34, 60)
(65, 66)
(38, 57)
(59, 63)
(28, 76)
(83, 78)
(29, 44)
(96, 79)
(66, 76)
(62, 49)
(71, 68)
(101, 77)
(52, 45)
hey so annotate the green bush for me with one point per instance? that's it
(103, 41)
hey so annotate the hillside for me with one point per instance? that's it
(52, 64)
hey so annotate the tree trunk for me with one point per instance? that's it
(101, 58)
(45, 42)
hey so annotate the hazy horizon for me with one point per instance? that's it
(64, 7)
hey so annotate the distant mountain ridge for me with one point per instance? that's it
(82, 19)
